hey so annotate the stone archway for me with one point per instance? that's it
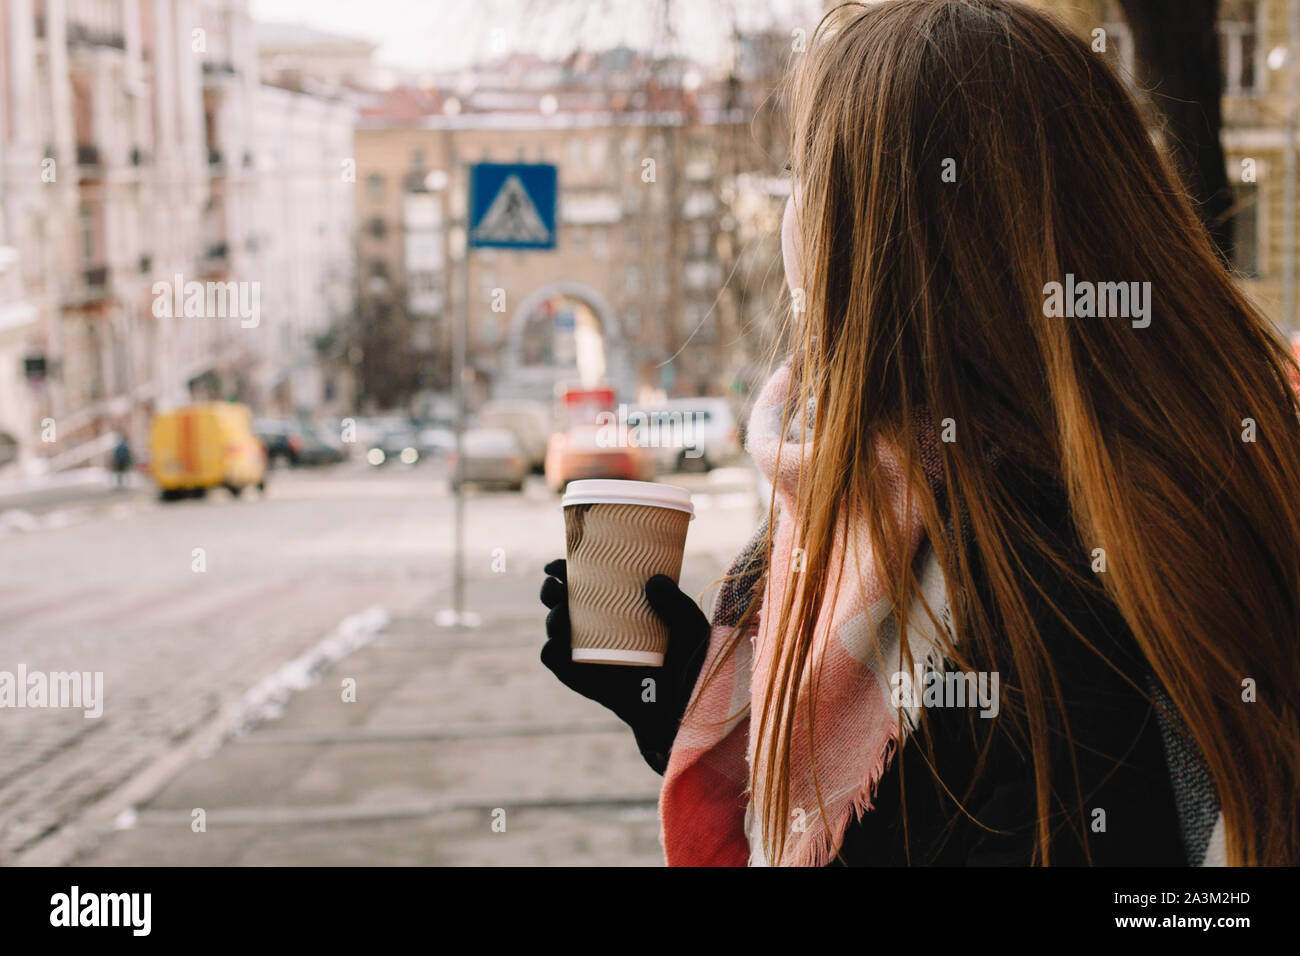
(519, 380)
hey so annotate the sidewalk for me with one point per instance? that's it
(54, 501)
(449, 726)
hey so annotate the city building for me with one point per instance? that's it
(643, 288)
(1252, 47)
(302, 232)
(141, 159)
(297, 56)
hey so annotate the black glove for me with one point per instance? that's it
(622, 688)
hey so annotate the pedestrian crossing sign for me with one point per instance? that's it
(512, 205)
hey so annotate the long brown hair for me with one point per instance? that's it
(951, 159)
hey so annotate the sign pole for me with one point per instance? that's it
(457, 615)
(459, 334)
(510, 206)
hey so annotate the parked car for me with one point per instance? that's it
(436, 442)
(583, 446)
(274, 436)
(581, 453)
(400, 444)
(367, 432)
(208, 445)
(690, 434)
(529, 421)
(492, 456)
(296, 443)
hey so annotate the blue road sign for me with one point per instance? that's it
(512, 205)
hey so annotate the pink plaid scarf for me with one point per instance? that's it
(705, 807)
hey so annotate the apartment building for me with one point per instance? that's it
(302, 236)
(636, 292)
(1252, 46)
(139, 154)
(302, 57)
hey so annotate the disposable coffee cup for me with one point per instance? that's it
(618, 535)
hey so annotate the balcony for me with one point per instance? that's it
(217, 68)
(85, 34)
(93, 288)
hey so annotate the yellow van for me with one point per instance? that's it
(203, 446)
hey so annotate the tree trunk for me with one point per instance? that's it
(1177, 47)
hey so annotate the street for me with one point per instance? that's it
(225, 629)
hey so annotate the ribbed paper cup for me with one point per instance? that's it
(618, 535)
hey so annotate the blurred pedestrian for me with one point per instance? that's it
(122, 460)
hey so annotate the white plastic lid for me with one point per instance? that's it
(612, 491)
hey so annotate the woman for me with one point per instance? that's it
(1032, 444)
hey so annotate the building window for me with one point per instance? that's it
(1240, 52)
(632, 280)
(700, 239)
(378, 269)
(417, 160)
(375, 187)
(377, 227)
(1245, 230)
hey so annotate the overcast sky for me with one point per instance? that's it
(439, 34)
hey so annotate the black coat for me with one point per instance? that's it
(1122, 770)
(1117, 744)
